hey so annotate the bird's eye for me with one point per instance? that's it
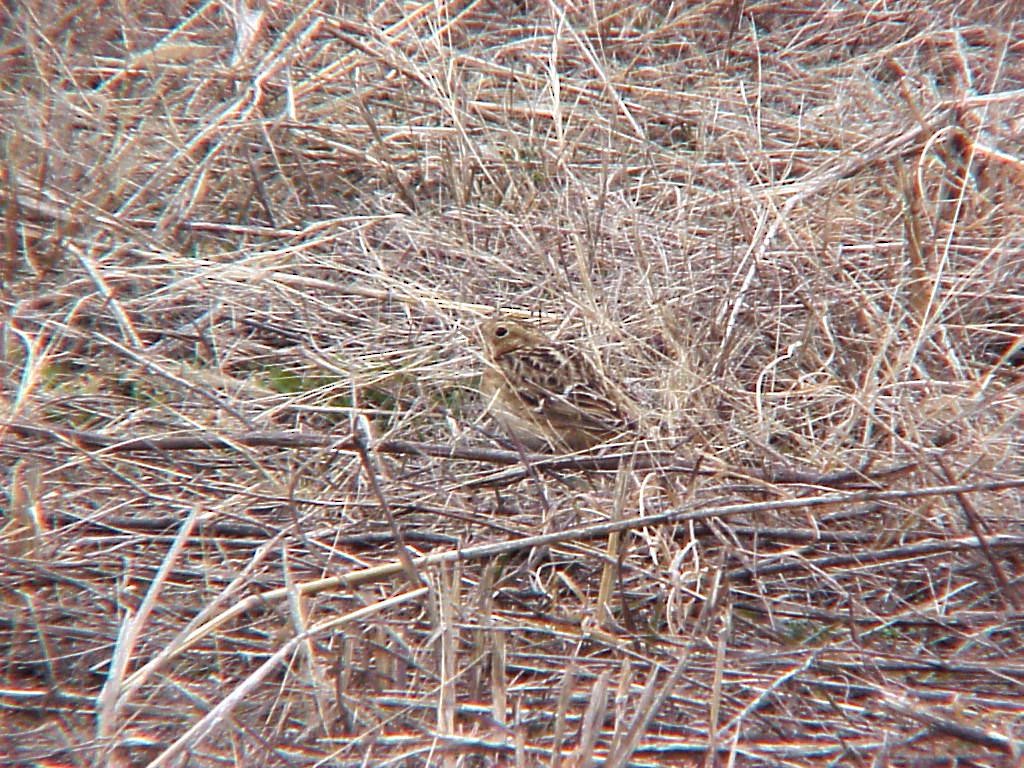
(501, 332)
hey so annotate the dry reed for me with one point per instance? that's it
(254, 515)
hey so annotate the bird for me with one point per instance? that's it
(546, 395)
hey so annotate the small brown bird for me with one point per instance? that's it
(548, 395)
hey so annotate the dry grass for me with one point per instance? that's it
(254, 515)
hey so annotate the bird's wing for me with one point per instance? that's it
(565, 389)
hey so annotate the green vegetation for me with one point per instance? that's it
(792, 231)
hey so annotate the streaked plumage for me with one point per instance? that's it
(549, 395)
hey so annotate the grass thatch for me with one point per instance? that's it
(254, 514)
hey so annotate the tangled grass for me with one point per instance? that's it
(255, 514)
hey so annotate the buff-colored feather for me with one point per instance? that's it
(549, 395)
